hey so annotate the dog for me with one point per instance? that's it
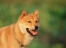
(20, 33)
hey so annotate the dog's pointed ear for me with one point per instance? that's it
(23, 13)
(36, 12)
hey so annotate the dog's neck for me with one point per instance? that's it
(18, 35)
(23, 39)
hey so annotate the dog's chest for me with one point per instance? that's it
(28, 39)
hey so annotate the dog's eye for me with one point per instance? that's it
(29, 21)
(36, 21)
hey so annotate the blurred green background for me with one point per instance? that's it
(52, 30)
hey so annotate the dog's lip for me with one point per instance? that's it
(33, 32)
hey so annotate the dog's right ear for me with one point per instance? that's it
(24, 13)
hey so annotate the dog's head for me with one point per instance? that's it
(29, 22)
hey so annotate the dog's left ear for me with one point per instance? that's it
(36, 12)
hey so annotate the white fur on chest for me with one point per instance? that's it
(28, 39)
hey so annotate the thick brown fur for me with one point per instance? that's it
(12, 36)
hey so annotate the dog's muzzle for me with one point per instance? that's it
(32, 32)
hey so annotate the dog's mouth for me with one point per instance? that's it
(32, 32)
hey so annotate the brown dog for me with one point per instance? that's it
(20, 33)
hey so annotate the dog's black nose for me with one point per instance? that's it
(36, 27)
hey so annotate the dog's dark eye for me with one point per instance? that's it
(29, 21)
(36, 21)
